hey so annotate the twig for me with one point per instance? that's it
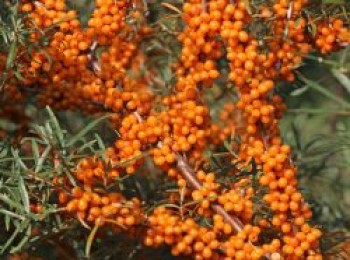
(188, 174)
(204, 6)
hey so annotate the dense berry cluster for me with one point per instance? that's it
(330, 34)
(188, 238)
(94, 204)
(176, 129)
(108, 19)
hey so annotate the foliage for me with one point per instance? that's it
(27, 181)
(40, 150)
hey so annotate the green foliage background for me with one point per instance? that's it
(316, 124)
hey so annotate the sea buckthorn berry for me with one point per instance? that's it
(181, 128)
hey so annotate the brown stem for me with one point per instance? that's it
(234, 221)
(204, 6)
(188, 174)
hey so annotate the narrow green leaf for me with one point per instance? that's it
(24, 194)
(15, 205)
(131, 160)
(42, 159)
(86, 145)
(342, 78)
(35, 150)
(296, 136)
(8, 220)
(71, 178)
(11, 56)
(19, 75)
(18, 229)
(90, 240)
(299, 91)
(333, 1)
(313, 29)
(85, 130)
(101, 146)
(3, 153)
(318, 111)
(323, 91)
(297, 22)
(58, 131)
(11, 214)
(170, 205)
(194, 202)
(18, 160)
(11, 203)
(23, 241)
(48, 130)
(227, 145)
(100, 142)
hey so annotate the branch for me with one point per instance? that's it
(186, 170)
(188, 174)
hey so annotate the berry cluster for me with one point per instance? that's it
(93, 204)
(177, 128)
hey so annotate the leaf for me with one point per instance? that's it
(11, 56)
(86, 145)
(48, 130)
(24, 194)
(10, 202)
(90, 240)
(313, 29)
(71, 178)
(297, 22)
(342, 78)
(19, 160)
(8, 220)
(42, 159)
(40, 131)
(296, 136)
(316, 111)
(3, 153)
(130, 160)
(58, 130)
(100, 142)
(19, 75)
(194, 202)
(35, 150)
(14, 235)
(227, 145)
(85, 130)
(333, 1)
(101, 146)
(324, 91)
(299, 91)
(23, 241)
(171, 7)
(169, 205)
(11, 214)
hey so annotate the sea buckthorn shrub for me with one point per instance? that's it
(248, 204)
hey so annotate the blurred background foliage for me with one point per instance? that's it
(316, 125)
